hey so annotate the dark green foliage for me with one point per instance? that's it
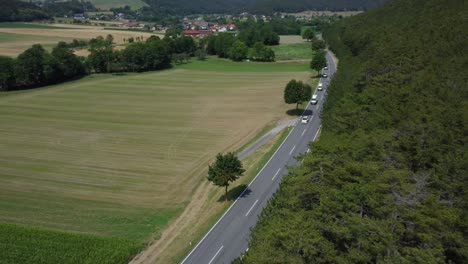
(101, 54)
(317, 44)
(387, 180)
(173, 31)
(200, 54)
(238, 51)
(69, 8)
(308, 34)
(47, 246)
(223, 43)
(68, 64)
(184, 44)
(260, 52)
(153, 54)
(29, 67)
(188, 7)
(7, 74)
(318, 61)
(226, 169)
(297, 92)
(251, 32)
(15, 10)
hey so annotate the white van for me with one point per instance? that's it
(320, 87)
(314, 99)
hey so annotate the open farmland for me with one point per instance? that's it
(12, 44)
(17, 37)
(121, 156)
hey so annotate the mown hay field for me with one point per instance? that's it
(17, 37)
(120, 156)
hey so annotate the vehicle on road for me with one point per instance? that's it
(314, 99)
(324, 75)
(325, 68)
(320, 87)
(305, 119)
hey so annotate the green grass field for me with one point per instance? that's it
(293, 51)
(118, 157)
(107, 4)
(216, 64)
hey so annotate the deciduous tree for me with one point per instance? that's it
(226, 169)
(296, 92)
(318, 61)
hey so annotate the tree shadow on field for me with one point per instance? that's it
(233, 193)
(298, 112)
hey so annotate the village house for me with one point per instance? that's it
(197, 33)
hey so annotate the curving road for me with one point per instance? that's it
(229, 237)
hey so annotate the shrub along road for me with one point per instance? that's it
(228, 238)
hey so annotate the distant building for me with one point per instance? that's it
(197, 33)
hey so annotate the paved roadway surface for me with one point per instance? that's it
(229, 237)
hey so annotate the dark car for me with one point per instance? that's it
(324, 75)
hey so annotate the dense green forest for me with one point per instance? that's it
(187, 7)
(387, 180)
(16, 10)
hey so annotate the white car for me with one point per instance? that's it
(314, 99)
(325, 68)
(320, 87)
(305, 119)
(324, 75)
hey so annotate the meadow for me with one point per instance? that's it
(120, 157)
(293, 51)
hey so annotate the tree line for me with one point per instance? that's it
(187, 7)
(16, 10)
(37, 67)
(386, 181)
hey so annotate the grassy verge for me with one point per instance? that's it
(260, 134)
(253, 164)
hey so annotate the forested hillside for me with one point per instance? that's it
(257, 6)
(387, 181)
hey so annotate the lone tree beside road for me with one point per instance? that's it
(226, 169)
(308, 34)
(297, 92)
(318, 61)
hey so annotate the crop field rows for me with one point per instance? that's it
(120, 156)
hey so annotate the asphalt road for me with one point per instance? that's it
(229, 237)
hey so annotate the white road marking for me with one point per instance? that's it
(303, 132)
(248, 212)
(276, 174)
(316, 134)
(219, 250)
(316, 107)
(290, 152)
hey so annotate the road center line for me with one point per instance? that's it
(248, 212)
(217, 252)
(303, 132)
(276, 174)
(290, 152)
